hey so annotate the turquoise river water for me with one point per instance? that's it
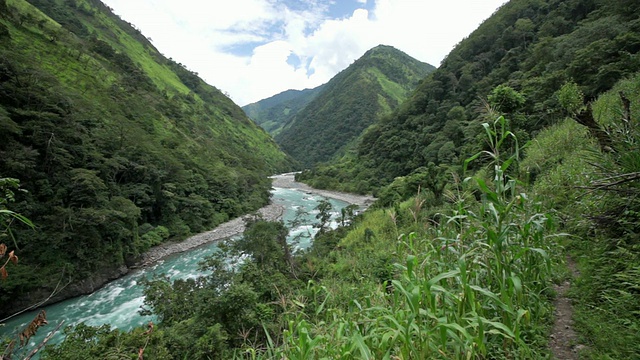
(118, 302)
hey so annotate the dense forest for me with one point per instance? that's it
(352, 100)
(116, 148)
(275, 112)
(515, 62)
(514, 167)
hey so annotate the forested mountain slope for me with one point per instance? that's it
(531, 48)
(459, 258)
(274, 113)
(117, 147)
(373, 85)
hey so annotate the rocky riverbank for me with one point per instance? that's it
(234, 227)
(271, 212)
(287, 181)
(231, 228)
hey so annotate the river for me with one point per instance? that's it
(118, 302)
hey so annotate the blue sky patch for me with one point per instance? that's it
(242, 48)
(341, 9)
(294, 61)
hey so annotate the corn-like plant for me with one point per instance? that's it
(471, 287)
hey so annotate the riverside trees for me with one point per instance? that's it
(119, 148)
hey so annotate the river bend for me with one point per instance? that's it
(118, 302)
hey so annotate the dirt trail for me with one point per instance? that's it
(563, 340)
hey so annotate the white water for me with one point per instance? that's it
(118, 302)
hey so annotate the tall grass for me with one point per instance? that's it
(606, 220)
(471, 287)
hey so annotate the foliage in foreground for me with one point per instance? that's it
(469, 282)
(473, 284)
(120, 149)
(593, 189)
(530, 46)
(8, 257)
(607, 246)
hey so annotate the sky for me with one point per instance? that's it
(254, 49)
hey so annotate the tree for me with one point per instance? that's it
(347, 214)
(525, 28)
(505, 99)
(324, 215)
(571, 98)
(266, 243)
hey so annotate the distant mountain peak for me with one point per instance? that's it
(336, 115)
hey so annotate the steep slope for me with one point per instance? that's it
(118, 147)
(472, 278)
(531, 48)
(351, 101)
(274, 113)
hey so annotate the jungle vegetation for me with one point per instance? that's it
(352, 100)
(519, 152)
(467, 275)
(275, 112)
(117, 147)
(515, 62)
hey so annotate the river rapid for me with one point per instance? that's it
(118, 302)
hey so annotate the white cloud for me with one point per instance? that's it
(337, 43)
(198, 34)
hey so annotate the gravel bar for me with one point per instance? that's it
(271, 212)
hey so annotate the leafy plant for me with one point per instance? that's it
(7, 187)
(474, 285)
(120, 148)
(608, 245)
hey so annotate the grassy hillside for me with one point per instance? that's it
(351, 101)
(595, 193)
(514, 63)
(455, 261)
(468, 275)
(117, 147)
(274, 113)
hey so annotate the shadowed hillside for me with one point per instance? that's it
(274, 113)
(372, 86)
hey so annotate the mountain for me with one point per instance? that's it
(513, 64)
(441, 267)
(117, 147)
(373, 85)
(273, 113)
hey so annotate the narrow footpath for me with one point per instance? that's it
(563, 340)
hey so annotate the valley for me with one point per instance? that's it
(486, 208)
(116, 304)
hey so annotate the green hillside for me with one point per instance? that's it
(275, 112)
(507, 224)
(372, 86)
(514, 63)
(467, 275)
(117, 147)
